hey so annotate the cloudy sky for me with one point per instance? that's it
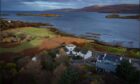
(57, 4)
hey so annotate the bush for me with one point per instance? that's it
(7, 73)
(127, 72)
(70, 76)
(77, 57)
(49, 65)
(90, 68)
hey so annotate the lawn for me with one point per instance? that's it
(118, 50)
(35, 32)
(38, 35)
(26, 45)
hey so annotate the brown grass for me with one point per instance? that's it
(47, 44)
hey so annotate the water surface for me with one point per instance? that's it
(123, 31)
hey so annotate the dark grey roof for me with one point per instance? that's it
(101, 57)
(65, 49)
(84, 51)
(106, 66)
(112, 58)
(77, 49)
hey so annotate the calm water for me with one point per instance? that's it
(79, 23)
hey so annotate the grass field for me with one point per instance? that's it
(35, 32)
(118, 50)
(38, 33)
(26, 45)
(49, 40)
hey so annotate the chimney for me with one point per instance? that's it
(130, 61)
(104, 55)
(121, 58)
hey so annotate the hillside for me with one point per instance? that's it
(120, 8)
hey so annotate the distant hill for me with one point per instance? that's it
(63, 10)
(121, 8)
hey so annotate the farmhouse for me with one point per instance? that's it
(73, 50)
(103, 62)
(109, 63)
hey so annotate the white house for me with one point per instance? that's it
(71, 51)
(34, 59)
(70, 47)
(88, 55)
(9, 21)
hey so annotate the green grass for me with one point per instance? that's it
(26, 45)
(35, 32)
(134, 53)
(38, 35)
(103, 48)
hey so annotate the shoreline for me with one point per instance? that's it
(97, 45)
(43, 15)
(59, 32)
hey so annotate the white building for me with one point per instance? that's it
(71, 51)
(9, 21)
(88, 55)
(70, 47)
(34, 59)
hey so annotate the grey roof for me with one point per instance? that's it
(101, 57)
(65, 49)
(77, 49)
(84, 51)
(108, 62)
(112, 58)
(106, 66)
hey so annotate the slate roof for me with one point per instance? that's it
(112, 58)
(101, 57)
(108, 62)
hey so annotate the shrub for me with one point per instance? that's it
(70, 76)
(127, 72)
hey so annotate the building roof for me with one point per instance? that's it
(108, 67)
(112, 58)
(34, 59)
(100, 57)
(70, 47)
(108, 62)
(88, 55)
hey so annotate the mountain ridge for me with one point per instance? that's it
(118, 8)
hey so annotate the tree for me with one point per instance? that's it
(77, 57)
(70, 76)
(127, 72)
(7, 72)
(58, 72)
(63, 58)
(48, 65)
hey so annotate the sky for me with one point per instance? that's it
(37, 5)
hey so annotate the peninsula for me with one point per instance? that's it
(43, 15)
